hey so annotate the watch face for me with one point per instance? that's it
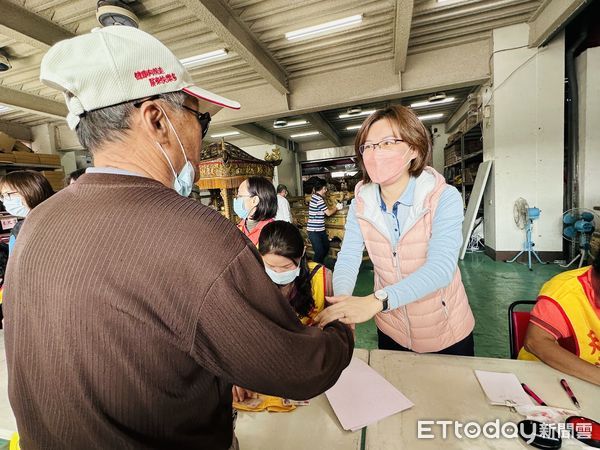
(380, 294)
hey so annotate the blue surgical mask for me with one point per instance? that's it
(16, 207)
(239, 208)
(283, 278)
(184, 180)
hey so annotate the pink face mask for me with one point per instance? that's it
(385, 166)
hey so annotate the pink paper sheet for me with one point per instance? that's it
(361, 397)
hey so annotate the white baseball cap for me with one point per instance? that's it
(117, 64)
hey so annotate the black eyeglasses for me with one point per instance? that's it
(386, 144)
(203, 118)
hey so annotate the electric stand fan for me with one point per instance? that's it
(524, 217)
(578, 226)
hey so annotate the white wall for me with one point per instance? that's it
(588, 75)
(44, 140)
(440, 138)
(286, 172)
(524, 138)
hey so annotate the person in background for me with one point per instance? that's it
(410, 221)
(74, 175)
(136, 345)
(564, 326)
(303, 284)
(256, 204)
(20, 192)
(283, 206)
(317, 210)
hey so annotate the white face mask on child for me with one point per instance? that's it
(283, 278)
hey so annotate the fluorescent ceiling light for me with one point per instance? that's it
(362, 113)
(308, 133)
(353, 127)
(293, 123)
(428, 103)
(5, 109)
(225, 134)
(327, 27)
(198, 60)
(431, 116)
(342, 174)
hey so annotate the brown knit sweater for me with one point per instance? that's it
(131, 310)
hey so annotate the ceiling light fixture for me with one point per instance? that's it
(431, 102)
(115, 12)
(307, 133)
(353, 127)
(362, 113)
(4, 62)
(225, 134)
(198, 60)
(342, 174)
(431, 116)
(4, 109)
(327, 27)
(293, 123)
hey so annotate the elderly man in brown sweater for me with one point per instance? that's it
(130, 309)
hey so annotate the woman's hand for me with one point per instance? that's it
(349, 310)
(240, 394)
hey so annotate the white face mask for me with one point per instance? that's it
(283, 278)
(184, 181)
(16, 207)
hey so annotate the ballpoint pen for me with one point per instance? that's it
(533, 394)
(569, 392)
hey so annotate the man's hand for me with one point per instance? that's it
(349, 310)
(240, 394)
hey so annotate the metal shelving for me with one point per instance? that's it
(6, 165)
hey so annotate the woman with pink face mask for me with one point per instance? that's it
(410, 221)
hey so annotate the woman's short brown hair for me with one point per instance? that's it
(32, 185)
(407, 126)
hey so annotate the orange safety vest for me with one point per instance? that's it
(572, 292)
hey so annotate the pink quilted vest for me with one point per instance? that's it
(438, 320)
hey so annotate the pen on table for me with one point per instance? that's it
(569, 392)
(533, 394)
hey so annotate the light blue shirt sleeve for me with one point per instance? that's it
(442, 254)
(349, 257)
(11, 244)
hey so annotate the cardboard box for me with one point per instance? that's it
(26, 158)
(20, 147)
(51, 160)
(56, 179)
(7, 158)
(6, 142)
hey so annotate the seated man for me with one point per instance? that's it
(564, 329)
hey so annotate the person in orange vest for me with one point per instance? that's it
(256, 204)
(304, 284)
(564, 328)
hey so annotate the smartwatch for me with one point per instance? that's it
(382, 296)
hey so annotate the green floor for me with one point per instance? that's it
(491, 287)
